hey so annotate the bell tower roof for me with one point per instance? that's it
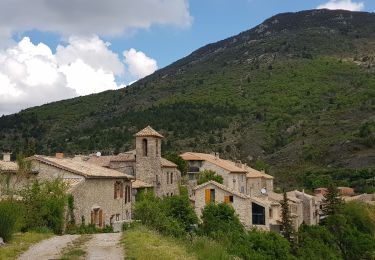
(148, 131)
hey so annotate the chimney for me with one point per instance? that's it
(238, 164)
(6, 157)
(59, 155)
(217, 155)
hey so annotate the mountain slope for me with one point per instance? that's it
(297, 91)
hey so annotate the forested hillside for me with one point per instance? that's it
(294, 94)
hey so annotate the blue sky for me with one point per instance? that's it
(54, 50)
(213, 20)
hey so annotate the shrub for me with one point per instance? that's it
(44, 205)
(9, 216)
(154, 213)
(220, 220)
(208, 175)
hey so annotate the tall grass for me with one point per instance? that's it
(10, 216)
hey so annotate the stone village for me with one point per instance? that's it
(104, 187)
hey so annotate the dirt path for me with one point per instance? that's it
(104, 246)
(48, 249)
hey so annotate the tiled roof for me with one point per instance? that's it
(8, 166)
(148, 131)
(166, 163)
(72, 183)
(225, 164)
(80, 167)
(104, 161)
(252, 173)
(223, 187)
(136, 184)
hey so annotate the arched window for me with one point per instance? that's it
(144, 147)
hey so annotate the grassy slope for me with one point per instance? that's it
(20, 243)
(141, 243)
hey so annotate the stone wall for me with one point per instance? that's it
(166, 188)
(241, 206)
(93, 193)
(148, 168)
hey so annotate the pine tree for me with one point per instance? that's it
(331, 202)
(286, 220)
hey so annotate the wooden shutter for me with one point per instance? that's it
(226, 199)
(100, 218)
(92, 217)
(207, 194)
(121, 190)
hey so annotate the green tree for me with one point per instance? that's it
(316, 242)
(182, 165)
(353, 244)
(332, 202)
(208, 175)
(45, 204)
(286, 220)
(220, 220)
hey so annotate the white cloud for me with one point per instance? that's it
(86, 17)
(343, 5)
(33, 75)
(138, 64)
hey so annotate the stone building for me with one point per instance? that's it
(101, 196)
(249, 191)
(146, 164)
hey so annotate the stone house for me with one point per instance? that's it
(237, 176)
(252, 211)
(257, 205)
(10, 176)
(101, 196)
(146, 164)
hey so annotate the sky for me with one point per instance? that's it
(59, 49)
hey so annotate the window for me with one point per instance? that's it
(157, 147)
(127, 194)
(167, 177)
(144, 147)
(242, 189)
(209, 195)
(270, 213)
(258, 213)
(118, 190)
(228, 199)
(171, 174)
(117, 217)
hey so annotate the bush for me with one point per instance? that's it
(10, 215)
(44, 205)
(316, 242)
(220, 220)
(170, 216)
(208, 175)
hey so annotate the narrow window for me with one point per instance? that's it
(270, 213)
(212, 192)
(157, 147)
(144, 147)
(171, 177)
(231, 199)
(167, 177)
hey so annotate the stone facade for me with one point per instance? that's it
(252, 192)
(101, 196)
(148, 162)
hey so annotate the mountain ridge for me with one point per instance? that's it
(295, 92)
